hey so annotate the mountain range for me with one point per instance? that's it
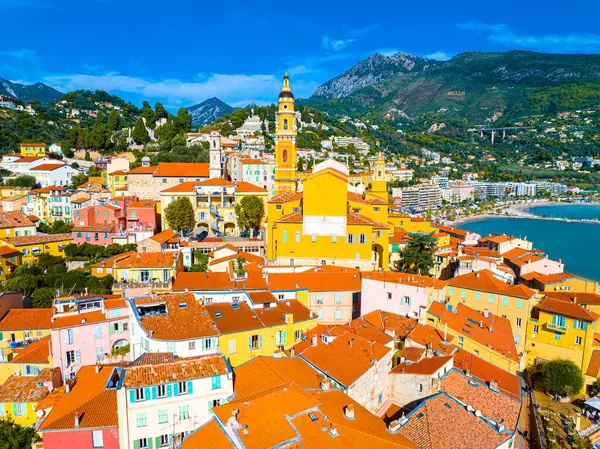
(208, 111)
(28, 93)
(477, 85)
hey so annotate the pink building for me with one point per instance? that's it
(97, 234)
(93, 215)
(86, 415)
(142, 215)
(85, 330)
(461, 190)
(400, 293)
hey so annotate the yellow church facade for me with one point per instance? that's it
(323, 221)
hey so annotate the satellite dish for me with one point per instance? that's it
(110, 384)
(40, 413)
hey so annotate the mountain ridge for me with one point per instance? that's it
(208, 111)
(29, 92)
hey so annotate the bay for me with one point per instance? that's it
(578, 244)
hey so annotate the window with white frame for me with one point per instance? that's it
(182, 387)
(97, 440)
(161, 391)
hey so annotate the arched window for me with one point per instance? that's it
(214, 144)
(285, 123)
(284, 155)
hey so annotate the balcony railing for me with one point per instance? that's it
(562, 328)
(139, 284)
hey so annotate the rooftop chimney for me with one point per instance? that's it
(325, 384)
(349, 411)
(333, 430)
(394, 426)
(76, 419)
(313, 340)
(493, 385)
(97, 368)
(486, 313)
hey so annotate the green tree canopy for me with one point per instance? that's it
(418, 256)
(114, 121)
(200, 261)
(179, 215)
(148, 114)
(58, 227)
(140, 133)
(250, 212)
(562, 376)
(14, 436)
(160, 110)
(42, 297)
(182, 122)
(24, 181)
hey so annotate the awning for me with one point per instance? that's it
(593, 403)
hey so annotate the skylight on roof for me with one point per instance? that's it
(235, 306)
(448, 405)
(313, 417)
(218, 314)
(183, 305)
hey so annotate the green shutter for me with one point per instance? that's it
(136, 444)
(15, 409)
(111, 329)
(157, 442)
(150, 441)
(284, 337)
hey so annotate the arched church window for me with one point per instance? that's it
(214, 144)
(284, 155)
(285, 123)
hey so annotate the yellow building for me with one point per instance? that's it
(482, 291)
(412, 224)
(483, 334)
(33, 149)
(379, 181)
(560, 282)
(116, 180)
(22, 396)
(328, 225)
(214, 201)
(253, 329)
(15, 224)
(10, 259)
(32, 246)
(560, 329)
(286, 169)
(21, 334)
(12, 191)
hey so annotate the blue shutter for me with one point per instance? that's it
(147, 393)
(190, 387)
(284, 337)
(584, 325)
(131, 395)
(575, 324)
(15, 409)
(176, 389)
(169, 390)
(153, 393)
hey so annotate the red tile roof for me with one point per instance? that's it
(184, 187)
(177, 370)
(218, 281)
(148, 260)
(25, 240)
(96, 406)
(26, 319)
(593, 368)
(209, 436)
(425, 367)
(395, 325)
(496, 332)
(26, 388)
(485, 281)
(569, 309)
(182, 170)
(36, 352)
(403, 278)
(243, 186)
(48, 167)
(174, 325)
(14, 219)
(316, 280)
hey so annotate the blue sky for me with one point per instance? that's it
(182, 52)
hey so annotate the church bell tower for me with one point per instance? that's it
(286, 170)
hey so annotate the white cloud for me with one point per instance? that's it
(21, 53)
(506, 36)
(335, 44)
(363, 31)
(224, 86)
(439, 56)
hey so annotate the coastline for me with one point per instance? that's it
(520, 210)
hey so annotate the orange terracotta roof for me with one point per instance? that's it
(51, 399)
(182, 170)
(363, 220)
(177, 370)
(143, 170)
(442, 422)
(208, 436)
(346, 359)
(96, 406)
(556, 306)
(26, 388)
(212, 281)
(36, 352)
(184, 187)
(37, 145)
(492, 404)
(262, 373)
(248, 161)
(557, 278)
(118, 172)
(412, 353)
(249, 257)
(95, 316)
(403, 279)
(148, 260)
(425, 367)
(426, 335)
(216, 182)
(165, 236)
(591, 299)
(7, 251)
(98, 227)
(316, 280)
(243, 186)
(496, 332)
(26, 319)
(486, 372)
(393, 324)
(14, 219)
(174, 325)
(47, 167)
(25, 240)
(485, 281)
(593, 368)
(286, 197)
